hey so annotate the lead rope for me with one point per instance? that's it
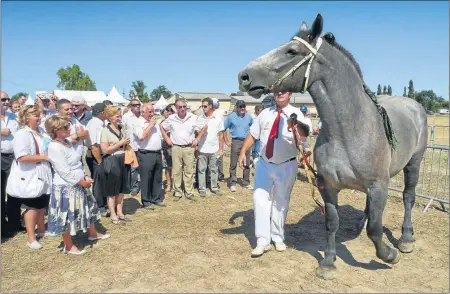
(390, 134)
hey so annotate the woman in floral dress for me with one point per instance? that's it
(72, 207)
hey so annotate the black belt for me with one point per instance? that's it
(290, 159)
(183, 146)
(143, 151)
(239, 139)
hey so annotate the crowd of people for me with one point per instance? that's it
(77, 164)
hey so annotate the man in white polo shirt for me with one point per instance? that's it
(182, 127)
(275, 171)
(210, 147)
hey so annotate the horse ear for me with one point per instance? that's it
(317, 27)
(303, 27)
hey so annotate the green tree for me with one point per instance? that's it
(411, 89)
(404, 92)
(72, 78)
(17, 96)
(139, 91)
(430, 101)
(384, 90)
(160, 90)
(389, 90)
(379, 89)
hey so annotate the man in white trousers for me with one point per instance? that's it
(275, 170)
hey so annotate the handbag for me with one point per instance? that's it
(24, 180)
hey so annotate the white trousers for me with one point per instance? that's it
(272, 192)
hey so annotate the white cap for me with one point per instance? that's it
(216, 103)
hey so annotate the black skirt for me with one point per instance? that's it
(116, 175)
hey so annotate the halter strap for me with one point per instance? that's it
(309, 57)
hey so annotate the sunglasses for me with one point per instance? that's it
(76, 105)
(182, 107)
(242, 106)
(205, 106)
(5, 99)
(136, 105)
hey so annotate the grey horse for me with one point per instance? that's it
(354, 149)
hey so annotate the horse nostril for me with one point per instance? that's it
(244, 79)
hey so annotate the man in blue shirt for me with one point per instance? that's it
(239, 123)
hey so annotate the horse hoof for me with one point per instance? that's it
(395, 259)
(326, 273)
(406, 247)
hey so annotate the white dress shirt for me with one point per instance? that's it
(284, 146)
(129, 123)
(182, 131)
(10, 123)
(153, 142)
(94, 127)
(209, 143)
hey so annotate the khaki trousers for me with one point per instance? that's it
(183, 167)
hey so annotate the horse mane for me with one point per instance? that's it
(329, 37)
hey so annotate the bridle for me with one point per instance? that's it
(309, 57)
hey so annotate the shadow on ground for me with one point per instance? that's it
(309, 234)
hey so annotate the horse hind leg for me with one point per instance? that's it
(411, 175)
(377, 197)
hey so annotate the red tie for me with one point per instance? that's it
(273, 135)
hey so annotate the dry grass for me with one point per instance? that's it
(205, 247)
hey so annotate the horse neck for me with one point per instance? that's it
(343, 106)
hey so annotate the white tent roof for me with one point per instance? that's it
(91, 97)
(115, 97)
(161, 103)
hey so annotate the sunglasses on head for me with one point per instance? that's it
(5, 99)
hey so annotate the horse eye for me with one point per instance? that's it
(291, 52)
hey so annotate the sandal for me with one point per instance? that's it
(117, 222)
(124, 219)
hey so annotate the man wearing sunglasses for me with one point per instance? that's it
(239, 123)
(210, 147)
(5, 101)
(182, 127)
(132, 120)
(79, 110)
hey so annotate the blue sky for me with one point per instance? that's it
(201, 46)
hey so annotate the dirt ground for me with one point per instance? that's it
(205, 246)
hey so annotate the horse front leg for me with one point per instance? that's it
(327, 269)
(376, 197)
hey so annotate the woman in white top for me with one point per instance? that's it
(30, 150)
(72, 207)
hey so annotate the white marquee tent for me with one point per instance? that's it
(161, 103)
(91, 97)
(115, 97)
